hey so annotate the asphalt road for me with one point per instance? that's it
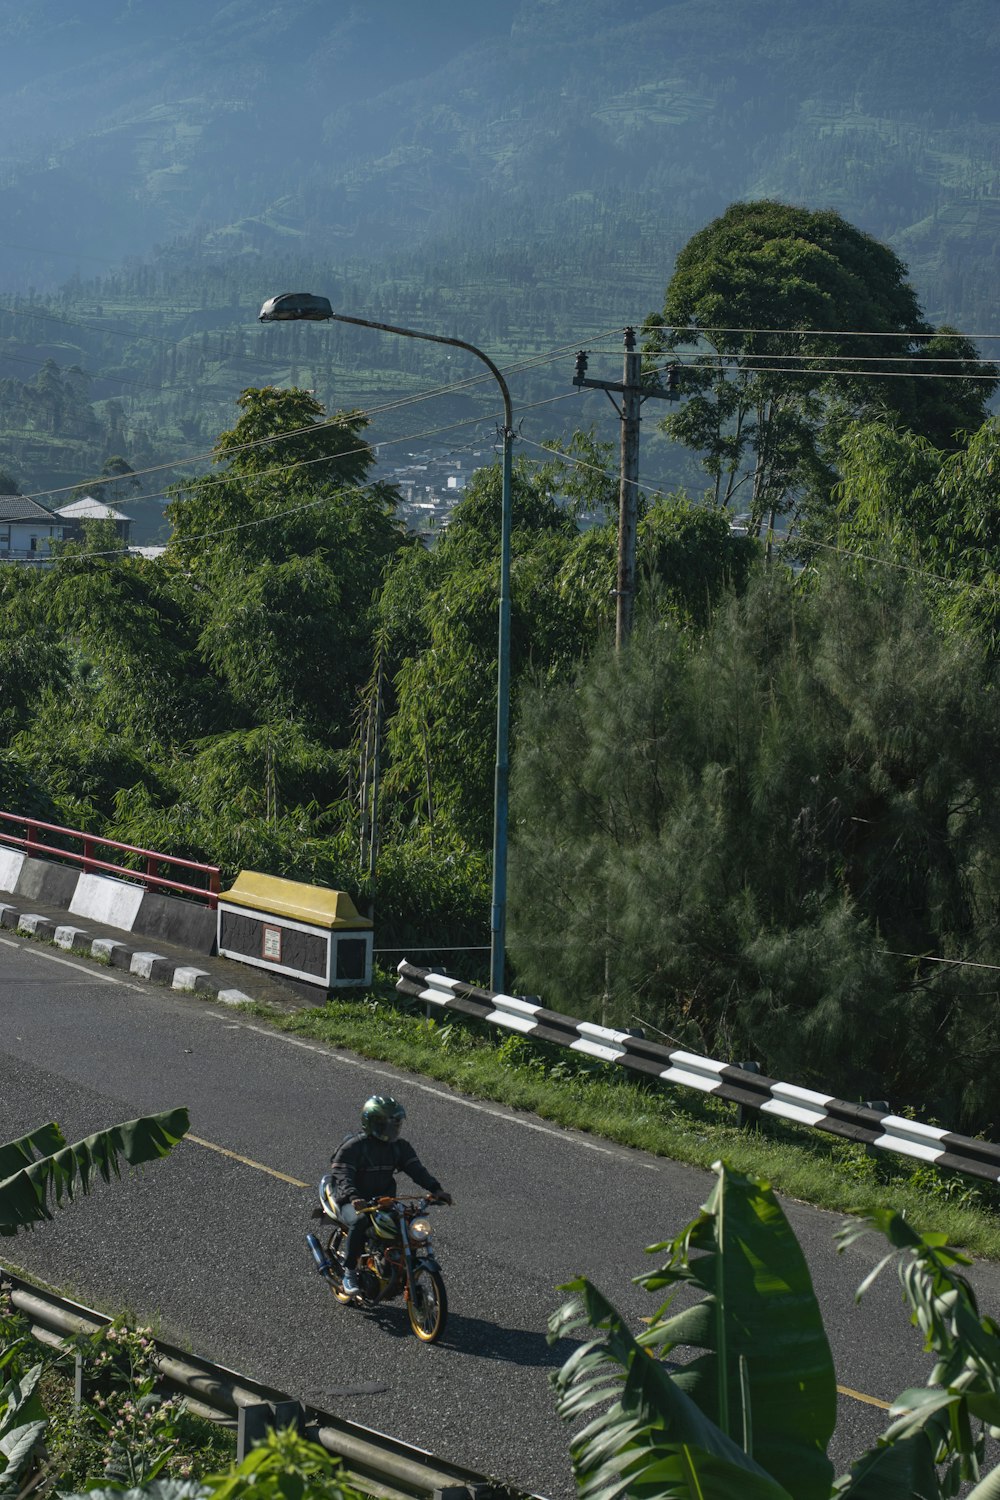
(208, 1245)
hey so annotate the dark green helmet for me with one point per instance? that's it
(382, 1117)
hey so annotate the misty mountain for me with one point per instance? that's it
(126, 124)
(518, 172)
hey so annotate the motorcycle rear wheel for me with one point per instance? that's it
(428, 1305)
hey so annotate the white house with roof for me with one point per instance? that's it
(79, 512)
(26, 528)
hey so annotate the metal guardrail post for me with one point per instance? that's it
(255, 1420)
(252, 1425)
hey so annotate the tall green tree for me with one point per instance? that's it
(287, 545)
(801, 324)
(440, 608)
(751, 837)
(934, 512)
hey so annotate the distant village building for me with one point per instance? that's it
(26, 529)
(75, 517)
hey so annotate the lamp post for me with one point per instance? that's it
(299, 306)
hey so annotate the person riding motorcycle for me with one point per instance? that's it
(364, 1166)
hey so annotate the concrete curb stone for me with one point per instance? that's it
(196, 980)
(155, 968)
(103, 948)
(152, 966)
(32, 924)
(73, 939)
(120, 955)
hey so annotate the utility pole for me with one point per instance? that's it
(633, 394)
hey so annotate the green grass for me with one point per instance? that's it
(596, 1098)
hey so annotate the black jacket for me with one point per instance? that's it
(362, 1167)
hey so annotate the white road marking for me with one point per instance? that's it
(92, 970)
(426, 1088)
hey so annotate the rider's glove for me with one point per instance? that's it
(443, 1197)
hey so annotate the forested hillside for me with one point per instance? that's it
(522, 174)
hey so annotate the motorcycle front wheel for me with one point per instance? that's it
(427, 1305)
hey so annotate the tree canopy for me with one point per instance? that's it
(288, 544)
(792, 324)
(748, 837)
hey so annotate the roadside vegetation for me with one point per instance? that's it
(748, 1411)
(587, 1095)
(124, 1435)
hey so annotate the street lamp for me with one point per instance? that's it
(304, 306)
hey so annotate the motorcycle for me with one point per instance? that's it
(398, 1258)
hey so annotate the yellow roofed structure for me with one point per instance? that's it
(315, 904)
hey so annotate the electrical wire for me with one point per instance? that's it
(208, 480)
(276, 439)
(458, 387)
(881, 359)
(833, 333)
(655, 492)
(728, 372)
(249, 481)
(454, 387)
(955, 963)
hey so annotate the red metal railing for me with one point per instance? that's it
(89, 861)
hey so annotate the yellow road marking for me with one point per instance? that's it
(845, 1390)
(247, 1161)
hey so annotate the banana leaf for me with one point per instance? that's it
(765, 1373)
(40, 1142)
(963, 1387)
(648, 1438)
(42, 1181)
(988, 1488)
(902, 1469)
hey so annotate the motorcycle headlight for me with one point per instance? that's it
(420, 1230)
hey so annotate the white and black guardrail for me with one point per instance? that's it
(378, 1464)
(874, 1127)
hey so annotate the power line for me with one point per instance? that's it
(699, 330)
(658, 491)
(249, 480)
(882, 359)
(729, 372)
(954, 963)
(454, 387)
(654, 492)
